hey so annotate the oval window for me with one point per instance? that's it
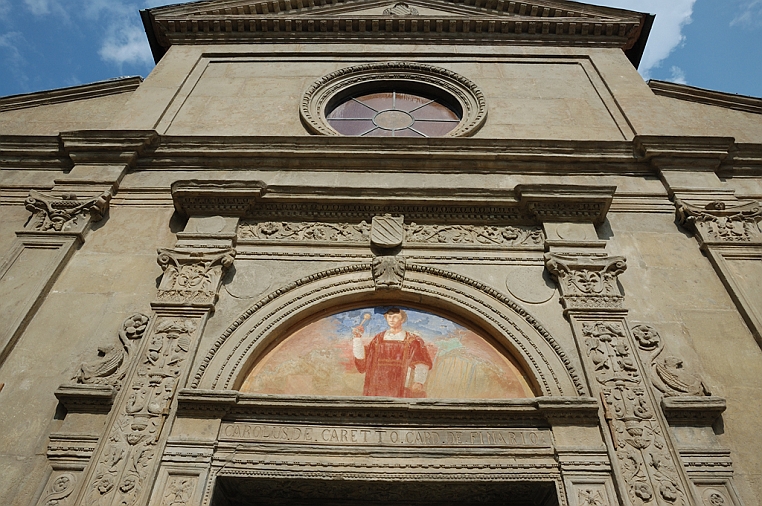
(394, 113)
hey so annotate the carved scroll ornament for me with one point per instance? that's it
(668, 373)
(60, 214)
(110, 368)
(123, 466)
(718, 223)
(587, 282)
(649, 472)
(304, 231)
(192, 277)
(474, 234)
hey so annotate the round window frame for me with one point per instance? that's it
(448, 85)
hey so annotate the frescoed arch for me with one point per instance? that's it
(482, 334)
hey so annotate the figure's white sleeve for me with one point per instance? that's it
(358, 349)
(420, 373)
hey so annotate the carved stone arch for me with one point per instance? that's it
(482, 308)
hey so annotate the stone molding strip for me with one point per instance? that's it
(231, 404)
(71, 94)
(706, 97)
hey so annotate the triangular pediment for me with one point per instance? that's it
(550, 22)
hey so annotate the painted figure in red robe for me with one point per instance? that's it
(395, 362)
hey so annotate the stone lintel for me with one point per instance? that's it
(692, 410)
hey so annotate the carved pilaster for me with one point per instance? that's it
(126, 462)
(192, 277)
(647, 467)
(587, 282)
(732, 239)
(58, 224)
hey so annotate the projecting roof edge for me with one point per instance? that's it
(71, 93)
(708, 97)
(545, 22)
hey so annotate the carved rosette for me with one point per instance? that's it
(667, 372)
(110, 368)
(648, 468)
(192, 277)
(124, 462)
(716, 223)
(63, 213)
(587, 282)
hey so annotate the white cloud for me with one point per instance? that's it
(11, 59)
(751, 15)
(5, 8)
(666, 35)
(678, 75)
(126, 44)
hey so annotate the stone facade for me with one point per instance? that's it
(162, 240)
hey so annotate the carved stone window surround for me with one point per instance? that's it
(406, 75)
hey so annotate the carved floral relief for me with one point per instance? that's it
(387, 351)
(385, 229)
(122, 468)
(587, 282)
(718, 223)
(190, 277)
(649, 472)
(60, 214)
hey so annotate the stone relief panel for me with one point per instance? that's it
(387, 351)
(122, 468)
(192, 278)
(649, 472)
(721, 224)
(63, 213)
(109, 368)
(179, 490)
(59, 489)
(388, 232)
(508, 236)
(668, 373)
(304, 231)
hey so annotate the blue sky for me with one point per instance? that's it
(46, 44)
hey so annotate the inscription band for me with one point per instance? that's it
(387, 436)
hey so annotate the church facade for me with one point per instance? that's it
(378, 252)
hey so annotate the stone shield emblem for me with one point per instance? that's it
(386, 231)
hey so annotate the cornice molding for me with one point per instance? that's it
(525, 204)
(104, 146)
(485, 21)
(230, 404)
(707, 97)
(71, 94)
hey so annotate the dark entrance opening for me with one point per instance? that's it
(235, 491)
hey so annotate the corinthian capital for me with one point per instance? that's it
(717, 223)
(587, 282)
(65, 213)
(192, 277)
